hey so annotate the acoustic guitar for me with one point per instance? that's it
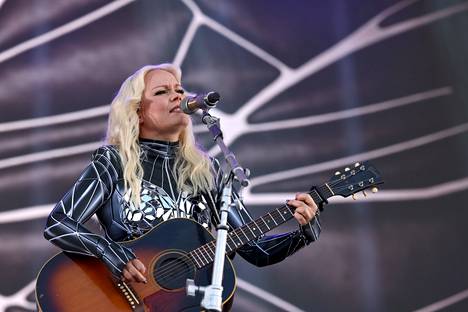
(172, 252)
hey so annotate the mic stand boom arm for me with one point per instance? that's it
(213, 126)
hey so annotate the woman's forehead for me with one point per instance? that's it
(157, 77)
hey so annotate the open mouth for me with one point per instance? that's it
(176, 110)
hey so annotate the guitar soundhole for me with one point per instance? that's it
(172, 270)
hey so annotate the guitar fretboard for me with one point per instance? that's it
(237, 238)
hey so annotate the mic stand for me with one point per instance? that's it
(212, 299)
(213, 126)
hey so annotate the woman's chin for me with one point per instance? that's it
(184, 120)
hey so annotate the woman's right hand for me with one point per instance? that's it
(134, 271)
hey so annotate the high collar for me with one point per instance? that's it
(158, 147)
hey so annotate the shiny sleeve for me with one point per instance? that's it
(268, 249)
(271, 249)
(90, 192)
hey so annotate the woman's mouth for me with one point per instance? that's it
(176, 110)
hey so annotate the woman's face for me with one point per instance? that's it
(160, 115)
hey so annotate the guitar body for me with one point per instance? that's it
(70, 282)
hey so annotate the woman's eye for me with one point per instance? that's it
(180, 91)
(160, 92)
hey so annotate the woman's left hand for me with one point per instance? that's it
(306, 208)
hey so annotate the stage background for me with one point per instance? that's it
(308, 87)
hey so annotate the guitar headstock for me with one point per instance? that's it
(359, 177)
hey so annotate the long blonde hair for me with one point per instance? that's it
(192, 167)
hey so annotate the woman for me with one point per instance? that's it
(150, 172)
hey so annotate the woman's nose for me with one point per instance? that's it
(176, 96)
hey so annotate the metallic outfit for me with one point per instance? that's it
(100, 190)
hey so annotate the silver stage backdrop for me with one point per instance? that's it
(307, 88)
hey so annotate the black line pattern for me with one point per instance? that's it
(100, 191)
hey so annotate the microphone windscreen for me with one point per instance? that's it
(184, 106)
(212, 98)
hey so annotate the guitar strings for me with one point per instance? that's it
(168, 270)
(173, 270)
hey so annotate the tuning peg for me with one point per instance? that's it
(354, 197)
(337, 173)
(364, 193)
(357, 164)
(346, 169)
(374, 190)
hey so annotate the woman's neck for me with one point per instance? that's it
(159, 139)
(168, 136)
(159, 147)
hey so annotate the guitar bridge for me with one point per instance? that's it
(130, 296)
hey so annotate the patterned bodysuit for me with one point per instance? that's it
(100, 190)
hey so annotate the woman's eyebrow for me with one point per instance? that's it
(166, 86)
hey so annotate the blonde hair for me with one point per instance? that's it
(192, 167)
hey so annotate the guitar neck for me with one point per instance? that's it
(240, 236)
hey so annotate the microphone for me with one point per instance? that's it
(191, 104)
